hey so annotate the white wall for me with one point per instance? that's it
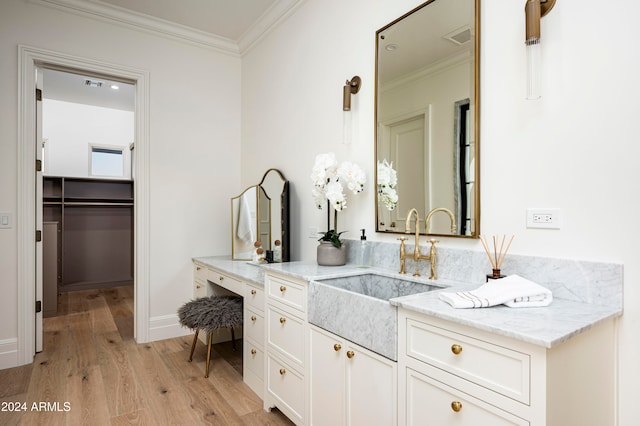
(575, 149)
(194, 133)
(71, 130)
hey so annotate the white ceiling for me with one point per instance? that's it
(225, 18)
(228, 19)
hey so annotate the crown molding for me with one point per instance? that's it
(273, 16)
(111, 13)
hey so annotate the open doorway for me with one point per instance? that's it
(88, 129)
(32, 59)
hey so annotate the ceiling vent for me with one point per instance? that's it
(93, 83)
(460, 36)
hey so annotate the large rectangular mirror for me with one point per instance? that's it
(427, 119)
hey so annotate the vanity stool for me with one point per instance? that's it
(209, 314)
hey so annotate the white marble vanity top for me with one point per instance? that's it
(548, 326)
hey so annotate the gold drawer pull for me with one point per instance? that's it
(337, 347)
(283, 288)
(198, 286)
(456, 406)
(253, 292)
(282, 371)
(253, 352)
(197, 268)
(350, 354)
(253, 318)
(283, 320)
(221, 278)
(456, 349)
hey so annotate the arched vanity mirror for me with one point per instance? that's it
(427, 119)
(261, 213)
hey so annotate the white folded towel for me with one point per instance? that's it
(513, 291)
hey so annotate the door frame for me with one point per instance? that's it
(29, 59)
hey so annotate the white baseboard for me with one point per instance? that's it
(8, 353)
(166, 327)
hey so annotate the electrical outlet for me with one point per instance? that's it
(543, 218)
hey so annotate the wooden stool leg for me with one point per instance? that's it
(233, 339)
(193, 345)
(209, 339)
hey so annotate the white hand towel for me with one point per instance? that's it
(513, 291)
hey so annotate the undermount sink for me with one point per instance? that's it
(357, 308)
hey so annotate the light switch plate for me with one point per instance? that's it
(5, 220)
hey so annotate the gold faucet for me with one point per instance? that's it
(436, 210)
(417, 256)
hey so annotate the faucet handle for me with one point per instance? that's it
(402, 238)
(433, 241)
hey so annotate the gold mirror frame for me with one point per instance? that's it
(472, 226)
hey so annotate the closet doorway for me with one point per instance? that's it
(32, 60)
(87, 188)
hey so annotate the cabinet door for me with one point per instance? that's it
(371, 388)
(327, 379)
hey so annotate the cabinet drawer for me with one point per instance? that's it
(286, 334)
(502, 370)
(199, 272)
(253, 358)
(253, 326)
(286, 386)
(254, 297)
(226, 281)
(432, 402)
(287, 292)
(199, 289)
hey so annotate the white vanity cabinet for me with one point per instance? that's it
(349, 385)
(253, 344)
(199, 281)
(209, 281)
(286, 345)
(454, 374)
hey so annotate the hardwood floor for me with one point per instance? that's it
(92, 372)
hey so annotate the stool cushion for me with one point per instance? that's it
(211, 313)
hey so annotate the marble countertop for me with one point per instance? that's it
(547, 326)
(239, 269)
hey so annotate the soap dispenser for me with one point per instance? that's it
(364, 251)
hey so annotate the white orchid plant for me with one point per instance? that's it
(329, 182)
(387, 181)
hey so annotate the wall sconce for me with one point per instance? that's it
(351, 87)
(534, 10)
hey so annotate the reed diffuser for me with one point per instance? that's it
(497, 256)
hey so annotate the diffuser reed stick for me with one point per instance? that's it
(497, 257)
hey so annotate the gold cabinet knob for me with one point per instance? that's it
(456, 406)
(283, 320)
(253, 292)
(221, 278)
(253, 318)
(198, 286)
(283, 288)
(282, 371)
(337, 347)
(253, 352)
(456, 349)
(197, 268)
(350, 354)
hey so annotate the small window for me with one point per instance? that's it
(107, 162)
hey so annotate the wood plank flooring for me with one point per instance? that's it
(92, 372)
